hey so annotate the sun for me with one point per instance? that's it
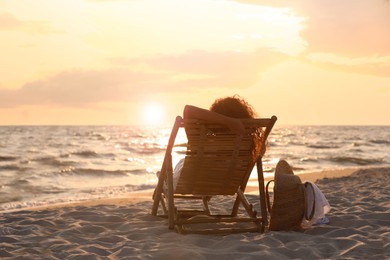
(153, 114)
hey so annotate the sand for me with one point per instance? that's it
(123, 228)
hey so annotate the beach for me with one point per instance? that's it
(123, 228)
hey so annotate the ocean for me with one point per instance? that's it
(42, 165)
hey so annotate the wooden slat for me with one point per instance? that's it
(221, 231)
(217, 219)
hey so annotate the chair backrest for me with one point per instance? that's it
(217, 160)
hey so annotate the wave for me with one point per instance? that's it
(90, 154)
(86, 153)
(146, 150)
(355, 160)
(109, 191)
(8, 158)
(68, 196)
(19, 182)
(295, 142)
(379, 141)
(355, 150)
(309, 160)
(99, 172)
(319, 146)
(10, 167)
(53, 161)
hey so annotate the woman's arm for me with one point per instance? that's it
(233, 124)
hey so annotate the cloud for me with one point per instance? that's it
(228, 69)
(349, 35)
(9, 22)
(77, 88)
(350, 27)
(187, 72)
(354, 28)
(373, 65)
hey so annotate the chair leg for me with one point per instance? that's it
(164, 207)
(236, 205)
(157, 194)
(248, 207)
(171, 206)
(263, 206)
(171, 213)
(166, 167)
(206, 208)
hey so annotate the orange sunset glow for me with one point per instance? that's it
(88, 62)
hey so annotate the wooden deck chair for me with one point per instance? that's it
(217, 162)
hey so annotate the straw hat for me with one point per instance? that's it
(289, 199)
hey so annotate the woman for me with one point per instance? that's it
(226, 111)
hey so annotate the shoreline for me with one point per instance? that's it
(146, 195)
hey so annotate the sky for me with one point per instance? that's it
(135, 62)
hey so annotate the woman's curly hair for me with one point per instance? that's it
(237, 107)
(234, 106)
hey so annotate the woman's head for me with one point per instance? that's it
(237, 107)
(233, 107)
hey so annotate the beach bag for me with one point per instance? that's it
(289, 205)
